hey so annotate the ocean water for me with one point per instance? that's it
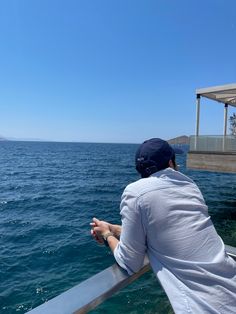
(49, 193)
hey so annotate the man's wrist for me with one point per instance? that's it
(106, 235)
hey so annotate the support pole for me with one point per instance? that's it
(225, 119)
(197, 114)
(225, 126)
(197, 121)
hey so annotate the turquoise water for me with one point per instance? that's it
(48, 194)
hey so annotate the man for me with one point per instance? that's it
(164, 216)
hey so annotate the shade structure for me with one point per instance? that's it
(214, 152)
(225, 93)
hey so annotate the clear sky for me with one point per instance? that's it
(113, 70)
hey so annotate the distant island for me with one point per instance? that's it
(180, 140)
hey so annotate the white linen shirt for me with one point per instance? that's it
(165, 217)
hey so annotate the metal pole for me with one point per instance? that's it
(225, 119)
(225, 125)
(197, 120)
(198, 114)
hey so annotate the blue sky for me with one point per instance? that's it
(113, 70)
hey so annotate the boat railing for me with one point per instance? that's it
(95, 290)
(213, 143)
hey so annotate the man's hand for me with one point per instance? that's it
(99, 227)
(116, 229)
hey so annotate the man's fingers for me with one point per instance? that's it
(96, 237)
(95, 220)
(98, 227)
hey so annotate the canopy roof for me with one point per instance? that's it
(225, 93)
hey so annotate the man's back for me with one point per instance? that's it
(183, 247)
(177, 218)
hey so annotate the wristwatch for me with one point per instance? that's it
(106, 236)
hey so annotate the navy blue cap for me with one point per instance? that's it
(154, 155)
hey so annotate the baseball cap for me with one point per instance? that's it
(154, 155)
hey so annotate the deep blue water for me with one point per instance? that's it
(48, 194)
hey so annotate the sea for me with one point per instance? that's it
(50, 191)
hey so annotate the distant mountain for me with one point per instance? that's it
(180, 140)
(25, 139)
(22, 139)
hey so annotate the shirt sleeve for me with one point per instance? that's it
(130, 251)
